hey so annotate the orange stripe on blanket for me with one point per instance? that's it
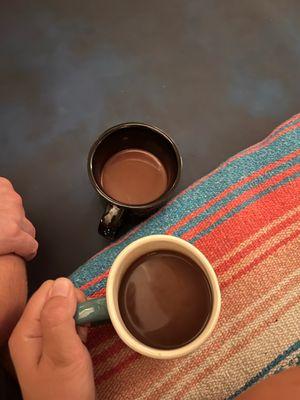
(259, 283)
(239, 200)
(225, 266)
(260, 233)
(235, 186)
(98, 294)
(259, 259)
(240, 227)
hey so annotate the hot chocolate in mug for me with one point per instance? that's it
(135, 168)
(162, 297)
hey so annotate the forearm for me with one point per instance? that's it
(13, 293)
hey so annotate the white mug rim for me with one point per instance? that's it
(112, 303)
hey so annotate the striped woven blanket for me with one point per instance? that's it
(245, 217)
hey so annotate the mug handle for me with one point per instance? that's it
(110, 221)
(91, 311)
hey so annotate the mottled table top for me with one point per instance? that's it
(216, 75)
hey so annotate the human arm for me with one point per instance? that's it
(13, 294)
(17, 242)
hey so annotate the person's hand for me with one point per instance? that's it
(50, 359)
(17, 234)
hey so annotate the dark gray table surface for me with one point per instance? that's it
(216, 75)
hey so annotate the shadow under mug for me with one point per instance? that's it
(97, 310)
(127, 136)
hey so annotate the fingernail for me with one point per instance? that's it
(61, 287)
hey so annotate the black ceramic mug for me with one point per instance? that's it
(125, 136)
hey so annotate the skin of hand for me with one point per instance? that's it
(285, 385)
(50, 359)
(13, 293)
(17, 242)
(17, 234)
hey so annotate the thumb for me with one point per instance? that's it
(61, 343)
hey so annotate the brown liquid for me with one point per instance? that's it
(134, 177)
(165, 299)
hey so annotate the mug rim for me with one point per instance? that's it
(119, 325)
(153, 204)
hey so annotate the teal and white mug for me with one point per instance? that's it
(97, 310)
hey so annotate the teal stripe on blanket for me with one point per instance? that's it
(232, 172)
(234, 194)
(246, 203)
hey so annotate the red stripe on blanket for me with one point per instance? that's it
(118, 368)
(237, 229)
(225, 266)
(258, 260)
(238, 201)
(230, 189)
(95, 280)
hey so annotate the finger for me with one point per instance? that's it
(24, 245)
(80, 296)
(25, 343)
(81, 330)
(61, 344)
(11, 200)
(27, 227)
(5, 183)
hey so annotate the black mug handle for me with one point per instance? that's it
(110, 221)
